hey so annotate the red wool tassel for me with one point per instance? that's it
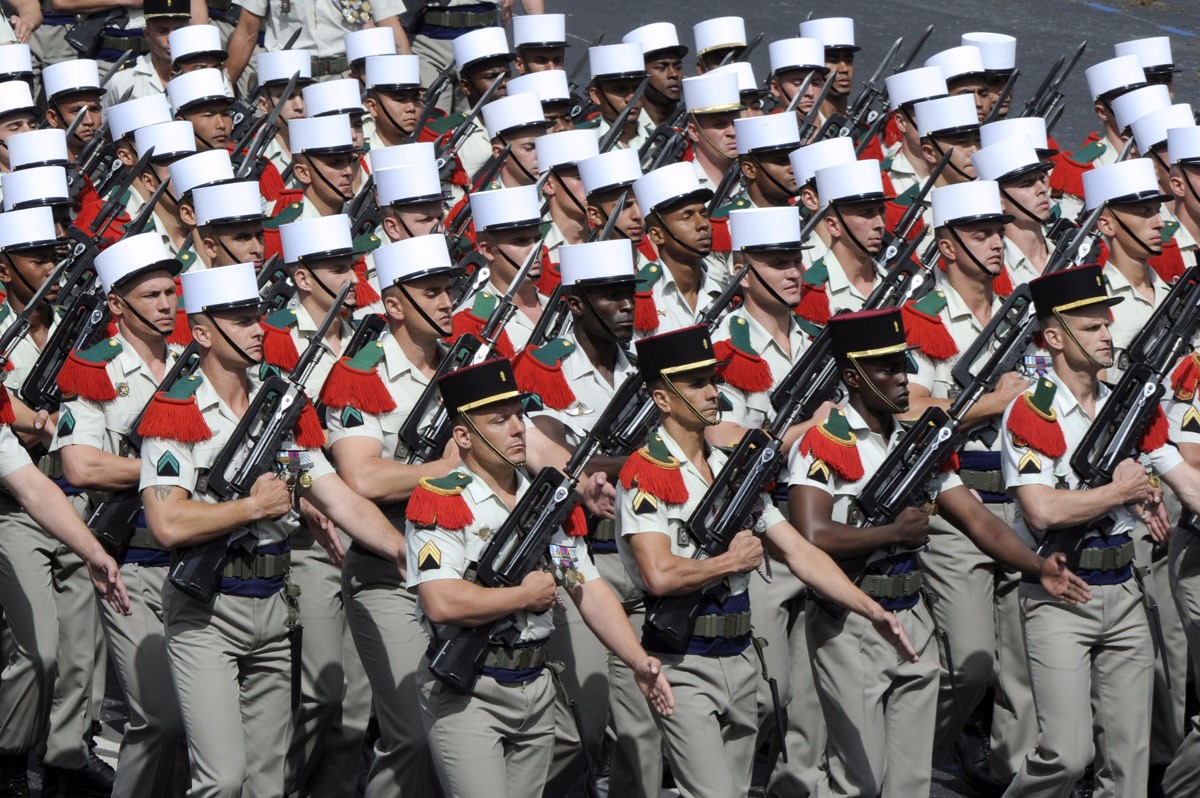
(814, 304)
(1156, 433)
(929, 333)
(891, 132)
(645, 312)
(839, 455)
(174, 419)
(646, 247)
(547, 382)
(365, 294)
(1186, 377)
(182, 334)
(749, 373)
(427, 507)
(79, 377)
(468, 322)
(308, 430)
(6, 409)
(1033, 430)
(1067, 176)
(575, 524)
(1168, 264)
(349, 386)
(278, 347)
(951, 464)
(1002, 283)
(656, 478)
(722, 239)
(551, 277)
(111, 330)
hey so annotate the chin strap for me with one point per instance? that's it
(432, 324)
(570, 194)
(892, 406)
(787, 192)
(1087, 354)
(774, 294)
(971, 255)
(705, 420)
(16, 271)
(942, 154)
(667, 229)
(242, 352)
(532, 178)
(142, 318)
(489, 444)
(716, 148)
(1020, 207)
(1125, 227)
(312, 165)
(849, 233)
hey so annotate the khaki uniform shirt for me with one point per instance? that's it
(321, 23)
(592, 391)
(142, 77)
(12, 454)
(1130, 316)
(754, 410)
(674, 313)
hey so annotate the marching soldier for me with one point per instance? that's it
(410, 196)
(836, 34)
(905, 164)
(326, 164)
(617, 71)
(1150, 135)
(715, 38)
(516, 121)
(805, 162)
(998, 53)
(152, 70)
(880, 712)
(551, 89)
(232, 655)
(963, 69)
(73, 88)
(229, 224)
(393, 98)
(663, 55)
(710, 740)
(560, 154)
(167, 142)
(792, 61)
(713, 103)
(275, 70)
(1183, 148)
(109, 384)
(540, 41)
(605, 178)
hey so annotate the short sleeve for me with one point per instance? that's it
(12, 454)
(350, 422)
(926, 372)
(1022, 465)
(258, 8)
(167, 462)
(1164, 458)
(81, 422)
(382, 9)
(434, 553)
(1184, 421)
(808, 471)
(638, 511)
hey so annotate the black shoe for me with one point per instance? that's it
(1086, 786)
(56, 782)
(14, 779)
(95, 780)
(973, 751)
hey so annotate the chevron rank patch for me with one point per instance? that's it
(1030, 463)
(351, 417)
(644, 503)
(1191, 421)
(167, 466)
(66, 423)
(819, 472)
(429, 558)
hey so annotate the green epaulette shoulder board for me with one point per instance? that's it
(367, 242)
(285, 216)
(737, 204)
(445, 124)
(1168, 231)
(906, 198)
(103, 352)
(282, 319)
(817, 274)
(1089, 152)
(932, 303)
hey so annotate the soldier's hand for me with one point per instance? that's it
(599, 495)
(106, 576)
(1130, 482)
(654, 685)
(911, 528)
(540, 591)
(323, 531)
(745, 551)
(1060, 582)
(889, 628)
(271, 496)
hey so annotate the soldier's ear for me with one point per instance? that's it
(575, 305)
(749, 168)
(302, 171)
(594, 95)
(370, 104)
(1105, 224)
(1175, 180)
(929, 153)
(947, 249)
(187, 214)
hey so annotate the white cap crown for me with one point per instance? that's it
(227, 203)
(322, 237)
(195, 87)
(480, 44)
(15, 95)
(412, 259)
(1154, 53)
(400, 71)
(15, 59)
(367, 42)
(966, 202)
(1115, 74)
(415, 183)
(743, 71)
(133, 255)
(27, 228)
(67, 77)
(947, 115)
(125, 118)
(1032, 127)
(796, 53)
(1151, 130)
(836, 33)
(664, 186)
(540, 30)
(760, 228)
(548, 86)
(512, 113)
(220, 288)
(596, 261)
(37, 185)
(278, 66)
(401, 155)
(566, 148)
(169, 140)
(957, 62)
(193, 40)
(767, 132)
(719, 32)
(38, 148)
(506, 208)
(1183, 145)
(1005, 158)
(321, 134)
(808, 159)
(654, 37)
(1127, 181)
(616, 61)
(998, 50)
(608, 170)
(341, 96)
(201, 169)
(915, 85)
(1137, 103)
(850, 181)
(712, 93)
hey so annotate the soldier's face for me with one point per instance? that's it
(1090, 332)
(960, 169)
(395, 111)
(559, 117)
(412, 220)
(775, 274)
(1031, 192)
(539, 59)
(520, 168)
(985, 241)
(324, 278)
(606, 312)
(24, 272)
(785, 85)
(432, 296)
(212, 124)
(689, 223)
(1162, 169)
(331, 177)
(865, 221)
(153, 297)
(629, 217)
(564, 181)
(715, 134)
(995, 85)
(976, 86)
(770, 171)
(1136, 227)
(292, 109)
(666, 78)
(243, 330)
(65, 110)
(158, 31)
(613, 95)
(889, 376)
(697, 387)
(506, 250)
(841, 70)
(227, 244)
(503, 424)
(480, 76)
(752, 104)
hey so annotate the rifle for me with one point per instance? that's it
(892, 239)
(614, 133)
(94, 153)
(660, 147)
(489, 170)
(740, 53)
(114, 518)
(430, 99)
(275, 286)
(1048, 95)
(912, 54)
(725, 187)
(864, 110)
(260, 134)
(251, 451)
(449, 148)
(520, 545)
(579, 100)
(425, 441)
(362, 208)
(809, 123)
(245, 110)
(19, 329)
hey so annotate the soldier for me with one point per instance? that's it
(617, 71)
(153, 69)
(905, 164)
(998, 52)
(325, 162)
(28, 186)
(170, 141)
(506, 718)
(200, 98)
(1183, 148)
(1091, 666)
(948, 123)
(566, 206)
(393, 98)
(663, 55)
(190, 172)
(1150, 135)
(124, 120)
(195, 47)
(274, 70)
(49, 604)
(551, 89)
(507, 223)
(976, 606)
(540, 41)
(340, 97)
(715, 39)
(18, 114)
(110, 383)
(515, 121)
(805, 162)
(228, 220)
(710, 739)
(792, 61)
(367, 43)
(836, 34)
(410, 197)
(884, 743)
(713, 103)
(678, 289)
(231, 657)
(1154, 55)
(605, 178)
(963, 69)
(748, 88)
(73, 88)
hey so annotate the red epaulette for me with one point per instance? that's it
(551, 277)
(655, 471)
(891, 132)
(873, 151)
(308, 432)
(279, 349)
(440, 502)
(270, 183)
(923, 326)
(1156, 433)
(1002, 283)
(1168, 264)
(365, 294)
(1186, 377)
(1069, 167)
(474, 319)
(722, 240)
(7, 416)
(1033, 422)
(85, 372)
(646, 247)
(645, 310)
(182, 334)
(814, 297)
(745, 370)
(355, 382)
(835, 444)
(175, 415)
(889, 188)
(538, 369)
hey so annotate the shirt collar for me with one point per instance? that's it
(1066, 403)
(1118, 282)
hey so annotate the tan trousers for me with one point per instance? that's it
(495, 742)
(1182, 779)
(48, 45)
(232, 667)
(879, 710)
(637, 755)
(780, 611)
(390, 644)
(335, 697)
(52, 622)
(710, 737)
(153, 756)
(1100, 655)
(435, 55)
